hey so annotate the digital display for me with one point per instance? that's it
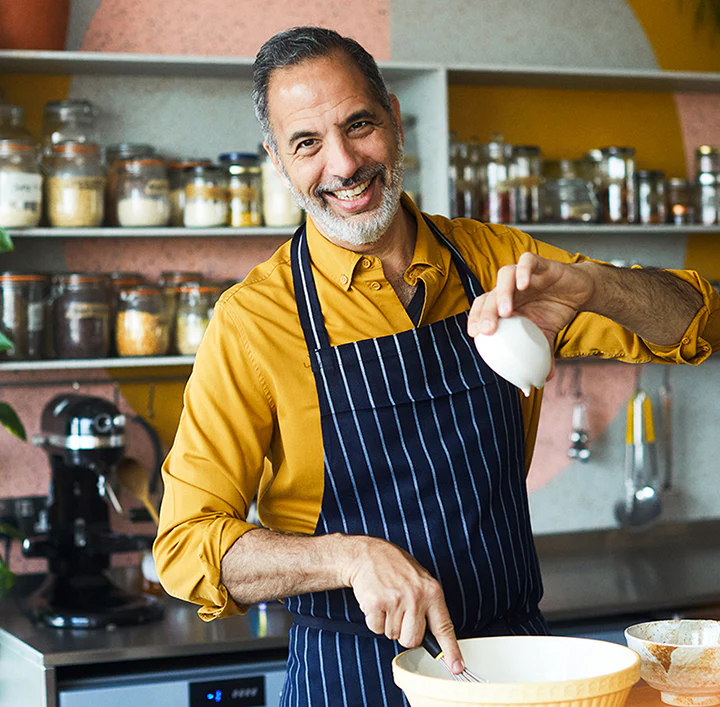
(238, 692)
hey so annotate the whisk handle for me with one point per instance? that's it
(431, 645)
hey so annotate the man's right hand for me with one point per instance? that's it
(399, 597)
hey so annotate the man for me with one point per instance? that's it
(339, 385)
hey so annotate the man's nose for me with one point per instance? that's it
(342, 159)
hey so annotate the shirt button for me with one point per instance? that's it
(686, 341)
(375, 285)
(366, 263)
(344, 280)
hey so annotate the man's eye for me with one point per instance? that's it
(359, 125)
(306, 144)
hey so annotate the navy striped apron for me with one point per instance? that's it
(424, 447)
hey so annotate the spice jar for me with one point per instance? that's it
(493, 177)
(650, 190)
(568, 200)
(114, 156)
(119, 281)
(12, 123)
(177, 179)
(411, 161)
(525, 172)
(616, 167)
(170, 281)
(279, 207)
(74, 185)
(707, 183)
(72, 120)
(143, 192)
(142, 327)
(80, 315)
(20, 185)
(194, 310)
(206, 197)
(244, 188)
(22, 304)
(681, 202)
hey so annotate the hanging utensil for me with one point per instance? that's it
(135, 479)
(666, 403)
(579, 436)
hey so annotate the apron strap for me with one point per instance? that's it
(308, 302)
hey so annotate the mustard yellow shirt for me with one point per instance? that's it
(250, 424)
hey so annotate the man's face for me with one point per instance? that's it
(339, 150)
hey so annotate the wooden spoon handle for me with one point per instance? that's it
(151, 510)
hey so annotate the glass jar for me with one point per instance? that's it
(194, 311)
(411, 161)
(80, 315)
(114, 155)
(278, 204)
(494, 175)
(681, 202)
(177, 179)
(617, 184)
(568, 200)
(707, 183)
(12, 123)
(74, 185)
(455, 179)
(22, 303)
(119, 281)
(142, 327)
(72, 119)
(20, 185)
(143, 192)
(170, 282)
(650, 190)
(206, 197)
(525, 173)
(245, 187)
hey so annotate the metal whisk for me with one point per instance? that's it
(430, 644)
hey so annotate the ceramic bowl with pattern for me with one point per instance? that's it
(681, 658)
(543, 671)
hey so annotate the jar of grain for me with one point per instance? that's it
(206, 197)
(177, 177)
(170, 282)
(244, 188)
(114, 155)
(80, 304)
(279, 207)
(20, 185)
(142, 327)
(120, 280)
(22, 304)
(143, 192)
(74, 185)
(194, 310)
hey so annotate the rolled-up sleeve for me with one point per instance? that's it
(214, 468)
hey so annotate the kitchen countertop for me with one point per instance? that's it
(587, 576)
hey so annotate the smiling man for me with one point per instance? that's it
(338, 385)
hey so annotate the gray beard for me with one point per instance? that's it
(361, 229)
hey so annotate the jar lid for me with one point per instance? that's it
(243, 157)
(22, 277)
(198, 288)
(650, 174)
(126, 150)
(706, 150)
(183, 164)
(143, 289)
(134, 163)
(76, 278)
(200, 170)
(526, 150)
(70, 108)
(173, 277)
(243, 169)
(16, 145)
(75, 147)
(618, 151)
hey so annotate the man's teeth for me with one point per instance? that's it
(353, 193)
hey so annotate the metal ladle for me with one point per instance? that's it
(642, 504)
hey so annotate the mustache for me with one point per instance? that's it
(363, 174)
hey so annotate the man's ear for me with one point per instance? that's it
(395, 105)
(276, 163)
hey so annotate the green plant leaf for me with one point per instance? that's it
(11, 422)
(7, 579)
(5, 343)
(11, 531)
(6, 243)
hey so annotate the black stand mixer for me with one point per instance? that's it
(85, 440)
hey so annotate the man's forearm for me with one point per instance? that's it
(264, 565)
(654, 304)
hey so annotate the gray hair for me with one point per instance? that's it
(299, 44)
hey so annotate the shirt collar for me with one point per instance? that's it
(339, 264)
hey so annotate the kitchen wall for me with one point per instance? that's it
(635, 34)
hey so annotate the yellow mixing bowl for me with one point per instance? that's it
(542, 671)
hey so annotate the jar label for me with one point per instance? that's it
(157, 187)
(206, 192)
(86, 310)
(20, 190)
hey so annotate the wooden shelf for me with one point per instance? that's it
(91, 363)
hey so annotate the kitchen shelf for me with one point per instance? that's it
(159, 232)
(532, 228)
(85, 364)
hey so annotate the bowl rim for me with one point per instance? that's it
(704, 646)
(504, 692)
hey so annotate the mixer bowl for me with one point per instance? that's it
(540, 670)
(680, 658)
